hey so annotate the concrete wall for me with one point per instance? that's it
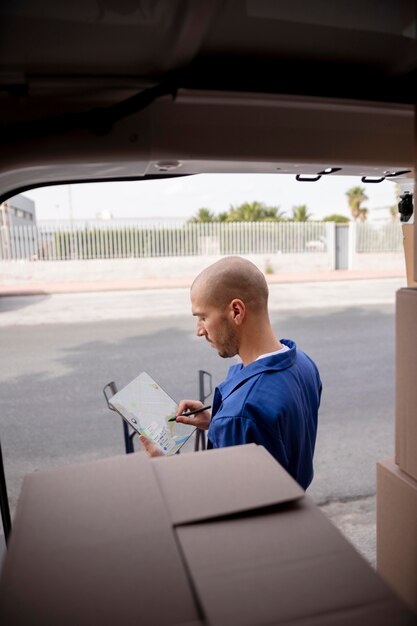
(377, 261)
(124, 269)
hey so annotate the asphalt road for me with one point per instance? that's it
(53, 371)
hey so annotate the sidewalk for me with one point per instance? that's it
(31, 288)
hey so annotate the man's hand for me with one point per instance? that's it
(201, 420)
(149, 447)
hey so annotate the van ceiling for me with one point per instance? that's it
(81, 86)
(59, 56)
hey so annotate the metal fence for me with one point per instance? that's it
(381, 238)
(96, 240)
(118, 240)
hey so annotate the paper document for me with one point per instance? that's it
(147, 408)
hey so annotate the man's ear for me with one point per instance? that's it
(237, 311)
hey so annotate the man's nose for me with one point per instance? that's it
(200, 330)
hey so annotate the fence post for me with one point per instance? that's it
(331, 244)
(352, 245)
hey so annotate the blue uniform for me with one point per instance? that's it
(273, 402)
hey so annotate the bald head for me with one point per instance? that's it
(230, 278)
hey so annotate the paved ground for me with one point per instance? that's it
(98, 305)
(68, 286)
(52, 305)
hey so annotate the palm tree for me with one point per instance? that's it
(300, 213)
(273, 214)
(254, 212)
(363, 214)
(355, 196)
(393, 211)
(246, 212)
(335, 217)
(203, 215)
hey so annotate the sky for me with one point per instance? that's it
(182, 197)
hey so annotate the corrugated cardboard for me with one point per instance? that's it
(86, 548)
(397, 530)
(115, 542)
(408, 242)
(288, 564)
(406, 387)
(199, 486)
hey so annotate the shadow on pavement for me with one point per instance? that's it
(14, 303)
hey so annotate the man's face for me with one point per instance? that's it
(215, 325)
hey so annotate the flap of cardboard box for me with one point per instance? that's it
(223, 482)
(89, 543)
(279, 567)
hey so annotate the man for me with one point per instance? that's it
(272, 397)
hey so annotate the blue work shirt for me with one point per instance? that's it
(272, 402)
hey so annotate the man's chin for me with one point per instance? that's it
(226, 355)
(222, 354)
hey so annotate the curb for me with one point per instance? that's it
(33, 288)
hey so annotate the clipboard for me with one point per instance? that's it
(146, 407)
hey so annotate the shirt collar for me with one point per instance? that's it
(275, 362)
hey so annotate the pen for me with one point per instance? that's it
(203, 408)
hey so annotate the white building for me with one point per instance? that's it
(18, 211)
(17, 233)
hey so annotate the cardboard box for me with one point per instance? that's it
(397, 530)
(86, 548)
(406, 376)
(408, 243)
(219, 537)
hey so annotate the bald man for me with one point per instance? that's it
(272, 397)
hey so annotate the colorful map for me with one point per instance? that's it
(148, 408)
